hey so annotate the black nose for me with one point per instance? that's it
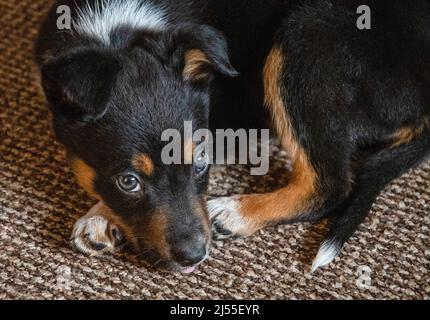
(189, 254)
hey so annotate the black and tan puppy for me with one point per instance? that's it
(351, 107)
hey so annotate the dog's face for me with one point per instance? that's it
(110, 109)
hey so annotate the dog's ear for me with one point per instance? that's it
(78, 86)
(202, 51)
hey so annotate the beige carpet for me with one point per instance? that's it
(39, 203)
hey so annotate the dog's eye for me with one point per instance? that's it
(129, 183)
(201, 163)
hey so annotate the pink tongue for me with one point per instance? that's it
(189, 270)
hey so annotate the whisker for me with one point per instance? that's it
(157, 263)
(143, 252)
(140, 238)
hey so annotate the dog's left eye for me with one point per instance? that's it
(129, 183)
(201, 163)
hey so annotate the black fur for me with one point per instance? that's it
(348, 90)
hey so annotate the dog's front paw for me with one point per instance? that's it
(95, 235)
(227, 219)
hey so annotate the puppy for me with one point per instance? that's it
(350, 106)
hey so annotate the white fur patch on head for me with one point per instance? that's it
(100, 17)
(327, 253)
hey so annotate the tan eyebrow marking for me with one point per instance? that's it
(144, 164)
(157, 234)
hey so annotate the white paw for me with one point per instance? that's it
(226, 219)
(95, 235)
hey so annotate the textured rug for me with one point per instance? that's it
(39, 202)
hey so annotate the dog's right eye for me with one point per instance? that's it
(201, 163)
(129, 183)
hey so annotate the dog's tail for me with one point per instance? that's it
(377, 171)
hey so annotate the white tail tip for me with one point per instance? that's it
(327, 253)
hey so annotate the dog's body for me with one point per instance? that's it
(350, 106)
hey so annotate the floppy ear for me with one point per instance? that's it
(78, 85)
(204, 51)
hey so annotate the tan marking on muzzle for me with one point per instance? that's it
(157, 238)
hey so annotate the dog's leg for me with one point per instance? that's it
(376, 172)
(98, 232)
(321, 177)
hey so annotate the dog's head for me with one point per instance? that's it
(111, 106)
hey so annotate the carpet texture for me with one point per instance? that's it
(39, 202)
